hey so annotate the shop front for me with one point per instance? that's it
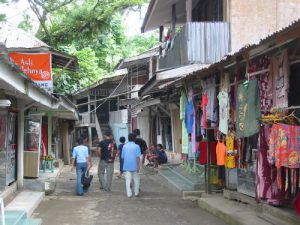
(8, 147)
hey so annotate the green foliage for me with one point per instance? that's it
(2, 17)
(26, 23)
(92, 30)
(139, 43)
(66, 82)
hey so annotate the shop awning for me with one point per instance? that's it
(162, 79)
(15, 83)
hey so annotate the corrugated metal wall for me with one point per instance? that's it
(198, 42)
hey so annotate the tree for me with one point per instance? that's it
(26, 23)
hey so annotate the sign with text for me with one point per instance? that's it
(37, 66)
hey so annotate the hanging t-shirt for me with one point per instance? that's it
(184, 133)
(223, 112)
(248, 109)
(221, 153)
(203, 107)
(189, 116)
(203, 152)
(281, 80)
(230, 142)
(209, 85)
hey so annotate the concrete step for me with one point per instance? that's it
(197, 180)
(14, 217)
(26, 201)
(31, 222)
(235, 213)
(177, 181)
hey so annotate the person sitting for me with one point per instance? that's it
(150, 155)
(160, 156)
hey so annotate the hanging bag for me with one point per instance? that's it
(86, 179)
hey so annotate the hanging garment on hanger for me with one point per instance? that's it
(189, 116)
(209, 86)
(221, 154)
(248, 109)
(223, 112)
(184, 133)
(203, 152)
(203, 105)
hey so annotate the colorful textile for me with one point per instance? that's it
(248, 109)
(189, 116)
(223, 111)
(221, 153)
(184, 133)
(209, 85)
(281, 68)
(285, 145)
(265, 82)
(230, 142)
(203, 105)
(203, 152)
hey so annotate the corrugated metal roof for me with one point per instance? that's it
(294, 25)
(14, 37)
(116, 75)
(141, 58)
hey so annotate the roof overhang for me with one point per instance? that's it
(163, 79)
(115, 76)
(159, 13)
(16, 84)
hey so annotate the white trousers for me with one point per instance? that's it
(136, 178)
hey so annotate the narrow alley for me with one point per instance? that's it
(156, 205)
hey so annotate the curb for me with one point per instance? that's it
(227, 218)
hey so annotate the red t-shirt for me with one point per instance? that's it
(203, 155)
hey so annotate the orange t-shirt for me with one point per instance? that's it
(221, 153)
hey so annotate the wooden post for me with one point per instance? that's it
(173, 19)
(161, 31)
(66, 147)
(50, 150)
(189, 9)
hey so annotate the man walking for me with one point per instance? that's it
(131, 153)
(106, 151)
(142, 143)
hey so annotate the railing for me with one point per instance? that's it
(87, 118)
(198, 42)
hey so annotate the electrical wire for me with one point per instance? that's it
(109, 95)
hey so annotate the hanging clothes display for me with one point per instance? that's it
(203, 152)
(203, 107)
(280, 68)
(221, 153)
(248, 109)
(265, 82)
(184, 133)
(209, 86)
(285, 145)
(190, 119)
(223, 112)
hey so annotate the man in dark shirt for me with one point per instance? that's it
(106, 151)
(142, 143)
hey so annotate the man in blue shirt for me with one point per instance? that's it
(131, 153)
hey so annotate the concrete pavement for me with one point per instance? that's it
(157, 204)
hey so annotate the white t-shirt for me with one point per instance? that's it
(223, 112)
